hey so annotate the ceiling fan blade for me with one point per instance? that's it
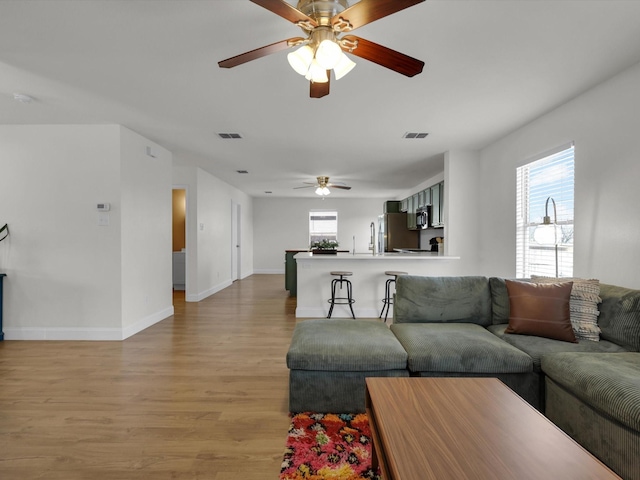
(286, 11)
(319, 90)
(367, 11)
(306, 186)
(384, 56)
(260, 52)
(343, 187)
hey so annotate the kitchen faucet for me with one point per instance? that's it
(372, 244)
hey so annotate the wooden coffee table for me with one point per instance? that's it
(468, 428)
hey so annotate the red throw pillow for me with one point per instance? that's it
(540, 309)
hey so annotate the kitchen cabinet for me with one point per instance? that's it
(437, 205)
(424, 198)
(391, 206)
(291, 271)
(404, 204)
(412, 203)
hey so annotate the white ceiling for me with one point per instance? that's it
(151, 65)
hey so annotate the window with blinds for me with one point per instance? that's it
(323, 225)
(541, 184)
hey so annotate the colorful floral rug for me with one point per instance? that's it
(328, 447)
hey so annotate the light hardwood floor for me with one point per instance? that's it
(200, 395)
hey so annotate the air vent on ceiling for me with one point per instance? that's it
(242, 171)
(229, 135)
(415, 135)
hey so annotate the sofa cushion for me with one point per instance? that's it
(344, 346)
(459, 348)
(442, 299)
(536, 347)
(499, 300)
(609, 382)
(540, 309)
(619, 317)
(583, 305)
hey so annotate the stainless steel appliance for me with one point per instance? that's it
(423, 217)
(394, 233)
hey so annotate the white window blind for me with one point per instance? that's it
(540, 183)
(323, 225)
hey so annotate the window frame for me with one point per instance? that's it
(550, 175)
(323, 235)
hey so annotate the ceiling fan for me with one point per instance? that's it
(322, 50)
(322, 186)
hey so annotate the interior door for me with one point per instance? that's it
(236, 256)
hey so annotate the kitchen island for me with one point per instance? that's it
(368, 279)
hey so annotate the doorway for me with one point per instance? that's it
(236, 241)
(179, 239)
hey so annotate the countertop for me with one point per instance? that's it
(433, 256)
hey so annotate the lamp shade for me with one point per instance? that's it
(301, 59)
(344, 66)
(316, 73)
(322, 191)
(548, 234)
(328, 54)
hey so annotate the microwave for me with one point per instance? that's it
(423, 217)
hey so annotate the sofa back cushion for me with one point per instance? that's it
(619, 319)
(464, 299)
(499, 301)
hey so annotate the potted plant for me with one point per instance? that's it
(324, 246)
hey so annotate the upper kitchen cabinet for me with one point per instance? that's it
(424, 198)
(412, 202)
(404, 205)
(437, 205)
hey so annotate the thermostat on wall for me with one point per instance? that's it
(104, 207)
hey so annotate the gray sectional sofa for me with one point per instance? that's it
(457, 326)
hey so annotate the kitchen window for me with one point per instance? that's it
(323, 225)
(545, 187)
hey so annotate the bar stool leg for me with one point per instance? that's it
(333, 296)
(385, 300)
(350, 298)
(389, 298)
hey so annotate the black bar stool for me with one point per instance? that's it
(388, 298)
(348, 300)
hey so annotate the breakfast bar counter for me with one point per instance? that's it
(368, 279)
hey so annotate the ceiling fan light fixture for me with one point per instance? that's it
(344, 66)
(301, 59)
(322, 191)
(328, 54)
(316, 73)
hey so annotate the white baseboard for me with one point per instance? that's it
(86, 334)
(63, 333)
(202, 295)
(146, 322)
(269, 271)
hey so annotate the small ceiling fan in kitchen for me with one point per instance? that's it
(323, 186)
(322, 49)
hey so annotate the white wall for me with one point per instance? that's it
(604, 124)
(283, 224)
(64, 271)
(462, 222)
(146, 232)
(209, 236)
